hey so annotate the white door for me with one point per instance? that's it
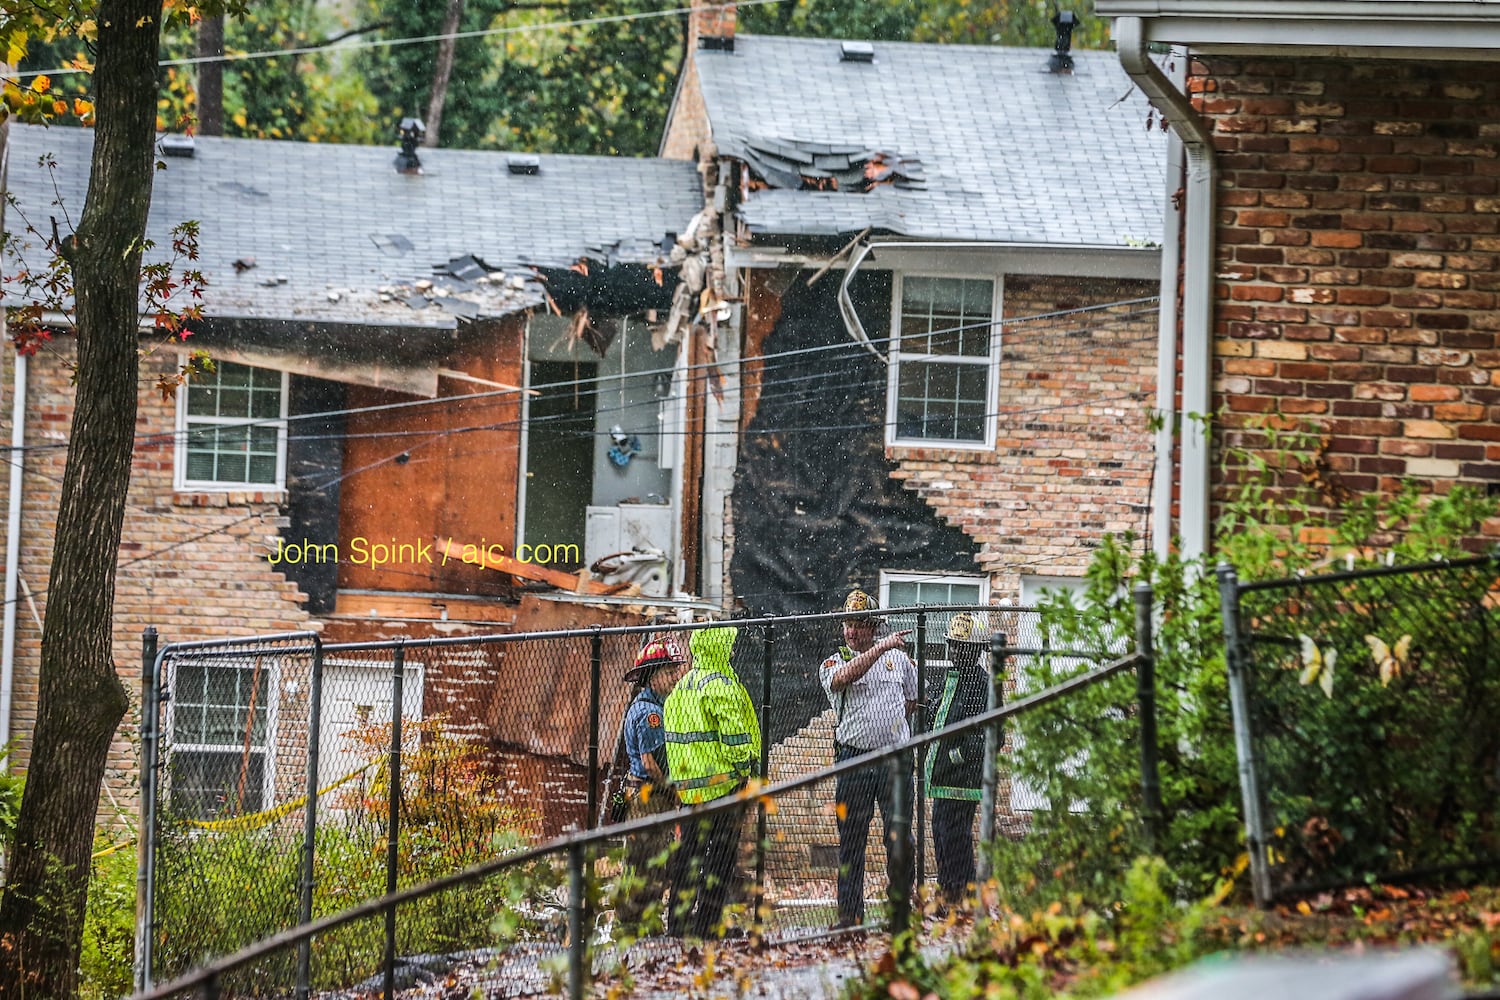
(357, 720)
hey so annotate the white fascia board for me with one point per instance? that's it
(930, 257)
(1385, 29)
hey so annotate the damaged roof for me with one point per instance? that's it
(966, 142)
(333, 234)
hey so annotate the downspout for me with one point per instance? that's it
(12, 549)
(1197, 286)
(1168, 318)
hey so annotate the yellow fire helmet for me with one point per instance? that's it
(858, 600)
(967, 627)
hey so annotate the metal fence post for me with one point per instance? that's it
(146, 835)
(596, 672)
(310, 815)
(393, 827)
(577, 951)
(990, 782)
(768, 659)
(920, 799)
(1145, 694)
(898, 892)
(1244, 746)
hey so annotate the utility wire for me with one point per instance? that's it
(372, 43)
(770, 364)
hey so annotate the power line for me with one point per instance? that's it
(770, 364)
(371, 43)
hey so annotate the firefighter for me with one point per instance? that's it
(955, 766)
(661, 663)
(713, 746)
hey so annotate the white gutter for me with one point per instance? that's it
(1197, 283)
(12, 549)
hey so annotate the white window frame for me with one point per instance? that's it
(898, 357)
(935, 629)
(181, 481)
(266, 748)
(890, 576)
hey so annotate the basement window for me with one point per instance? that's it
(944, 361)
(231, 427)
(221, 717)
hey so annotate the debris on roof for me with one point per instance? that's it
(594, 289)
(796, 165)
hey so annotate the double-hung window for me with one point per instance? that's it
(944, 363)
(907, 590)
(231, 425)
(221, 724)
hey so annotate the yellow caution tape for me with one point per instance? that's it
(112, 848)
(254, 821)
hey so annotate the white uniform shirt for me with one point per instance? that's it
(872, 711)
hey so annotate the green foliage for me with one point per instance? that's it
(1354, 767)
(109, 922)
(599, 88)
(221, 889)
(313, 96)
(963, 22)
(1083, 752)
(1031, 955)
(12, 785)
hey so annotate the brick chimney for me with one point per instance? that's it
(711, 26)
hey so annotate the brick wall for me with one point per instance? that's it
(193, 564)
(1073, 453)
(1359, 260)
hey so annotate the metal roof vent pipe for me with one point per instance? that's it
(411, 130)
(1061, 61)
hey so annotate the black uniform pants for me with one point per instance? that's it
(702, 880)
(953, 844)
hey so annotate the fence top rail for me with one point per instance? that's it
(588, 838)
(1492, 558)
(310, 638)
(619, 630)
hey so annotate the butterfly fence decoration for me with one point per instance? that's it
(1389, 660)
(1317, 664)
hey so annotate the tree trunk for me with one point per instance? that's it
(211, 76)
(438, 96)
(81, 700)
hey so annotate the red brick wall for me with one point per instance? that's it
(1359, 260)
(1073, 453)
(192, 564)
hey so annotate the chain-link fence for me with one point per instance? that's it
(590, 905)
(505, 742)
(1365, 708)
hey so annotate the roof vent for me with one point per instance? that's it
(176, 144)
(523, 163)
(1061, 62)
(857, 52)
(411, 130)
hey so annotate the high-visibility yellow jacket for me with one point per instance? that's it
(713, 735)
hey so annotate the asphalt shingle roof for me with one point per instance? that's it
(1007, 150)
(339, 224)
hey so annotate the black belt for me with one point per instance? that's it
(837, 746)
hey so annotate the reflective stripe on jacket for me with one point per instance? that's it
(713, 735)
(955, 764)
